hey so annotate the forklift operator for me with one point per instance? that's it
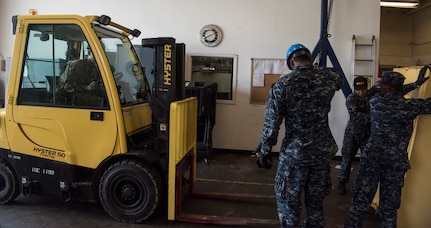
(82, 77)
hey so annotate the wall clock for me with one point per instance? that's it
(211, 35)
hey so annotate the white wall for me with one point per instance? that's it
(252, 29)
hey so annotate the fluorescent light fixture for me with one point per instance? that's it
(399, 4)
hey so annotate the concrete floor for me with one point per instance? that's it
(226, 172)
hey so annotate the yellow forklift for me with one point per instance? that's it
(81, 122)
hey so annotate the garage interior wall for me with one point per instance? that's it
(252, 29)
(405, 37)
(421, 39)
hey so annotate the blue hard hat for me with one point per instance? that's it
(294, 51)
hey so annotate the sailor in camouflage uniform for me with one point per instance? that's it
(385, 157)
(303, 99)
(81, 75)
(357, 129)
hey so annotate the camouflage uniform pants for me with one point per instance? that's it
(351, 145)
(290, 182)
(370, 173)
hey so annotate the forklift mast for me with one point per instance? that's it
(168, 73)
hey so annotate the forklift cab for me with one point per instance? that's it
(59, 118)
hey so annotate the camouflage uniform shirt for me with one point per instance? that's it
(392, 119)
(79, 74)
(359, 112)
(303, 99)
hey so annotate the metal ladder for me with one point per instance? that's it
(363, 60)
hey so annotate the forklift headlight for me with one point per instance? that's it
(104, 20)
(135, 33)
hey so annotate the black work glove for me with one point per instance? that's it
(264, 161)
(421, 77)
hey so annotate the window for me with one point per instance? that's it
(57, 71)
(220, 69)
(128, 72)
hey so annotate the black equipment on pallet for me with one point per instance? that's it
(206, 93)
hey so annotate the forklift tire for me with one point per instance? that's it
(9, 186)
(130, 191)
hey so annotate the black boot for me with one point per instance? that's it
(341, 189)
